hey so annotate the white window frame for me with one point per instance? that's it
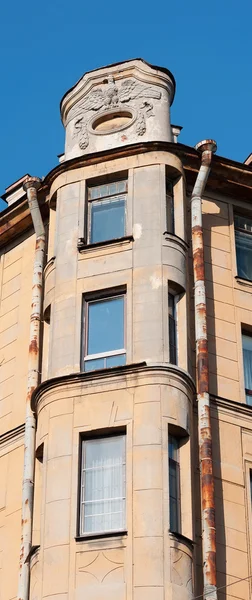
(82, 502)
(90, 201)
(109, 354)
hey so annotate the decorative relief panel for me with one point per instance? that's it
(110, 100)
(181, 569)
(100, 574)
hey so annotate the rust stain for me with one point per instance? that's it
(202, 364)
(211, 568)
(205, 435)
(33, 347)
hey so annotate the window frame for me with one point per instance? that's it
(175, 462)
(94, 436)
(95, 298)
(172, 294)
(246, 233)
(248, 392)
(90, 201)
(169, 215)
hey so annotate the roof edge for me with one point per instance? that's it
(162, 69)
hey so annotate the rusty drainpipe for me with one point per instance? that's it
(206, 148)
(31, 185)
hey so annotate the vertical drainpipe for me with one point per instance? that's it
(31, 186)
(206, 148)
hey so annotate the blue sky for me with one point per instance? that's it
(45, 48)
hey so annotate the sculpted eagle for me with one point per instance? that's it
(110, 96)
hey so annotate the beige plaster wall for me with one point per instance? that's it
(144, 560)
(149, 561)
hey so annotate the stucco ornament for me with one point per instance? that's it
(111, 96)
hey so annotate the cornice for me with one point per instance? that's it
(231, 407)
(116, 373)
(16, 219)
(12, 436)
(230, 176)
(106, 68)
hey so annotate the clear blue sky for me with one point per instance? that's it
(45, 48)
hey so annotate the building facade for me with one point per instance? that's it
(115, 508)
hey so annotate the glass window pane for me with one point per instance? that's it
(173, 447)
(243, 222)
(106, 325)
(247, 364)
(107, 219)
(96, 363)
(244, 254)
(169, 207)
(174, 484)
(103, 477)
(116, 361)
(172, 329)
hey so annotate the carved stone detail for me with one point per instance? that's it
(101, 574)
(110, 96)
(82, 132)
(100, 564)
(181, 569)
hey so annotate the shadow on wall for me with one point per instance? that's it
(211, 222)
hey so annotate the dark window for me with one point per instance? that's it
(106, 211)
(104, 333)
(243, 242)
(169, 207)
(172, 328)
(102, 489)
(247, 366)
(174, 485)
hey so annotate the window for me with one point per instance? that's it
(172, 328)
(243, 241)
(102, 498)
(174, 485)
(247, 366)
(169, 207)
(104, 333)
(106, 211)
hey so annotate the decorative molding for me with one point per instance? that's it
(231, 407)
(101, 564)
(172, 237)
(181, 569)
(111, 96)
(13, 436)
(113, 375)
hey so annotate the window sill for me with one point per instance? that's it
(172, 237)
(243, 281)
(181, 538)
(100, 536)
(82, 246)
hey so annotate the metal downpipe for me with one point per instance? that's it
(206, 148)
(31, 186)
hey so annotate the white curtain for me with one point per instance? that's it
(103, 485)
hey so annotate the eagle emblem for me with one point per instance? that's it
(112, 96)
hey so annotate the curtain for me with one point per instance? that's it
(103, 485)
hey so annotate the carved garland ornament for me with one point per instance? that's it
(111, 97)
